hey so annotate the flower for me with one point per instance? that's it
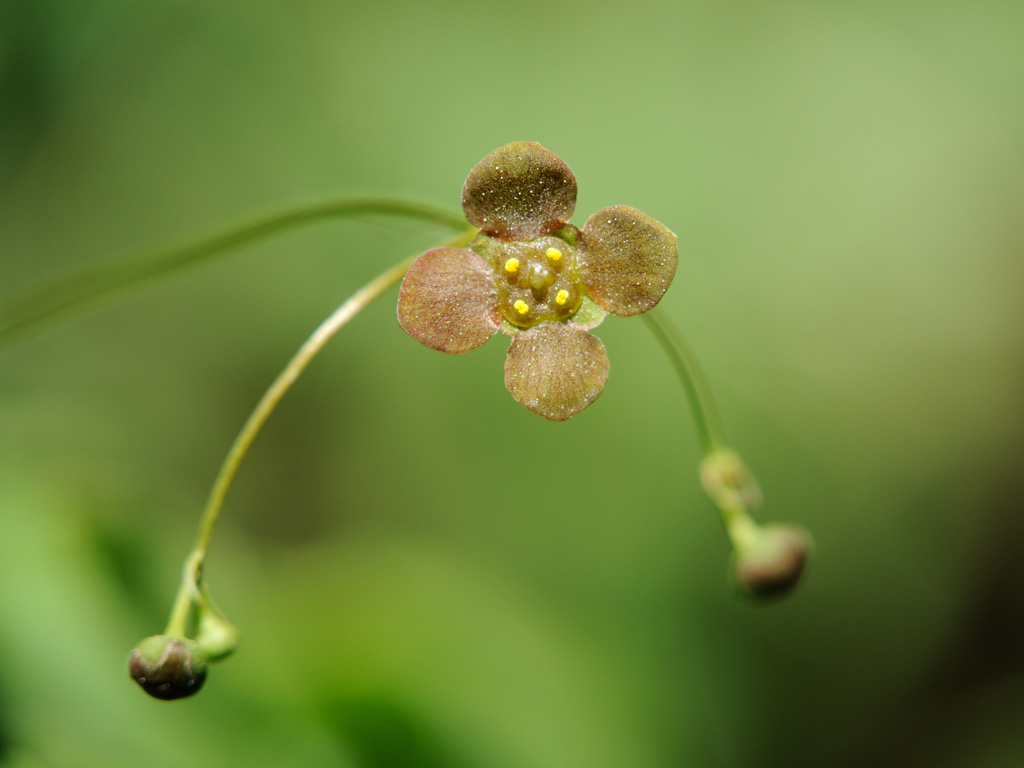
(537, 278)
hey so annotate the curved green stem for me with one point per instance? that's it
(190, 591)
(726, 479)
(767, 560)
(34, 309)
(698, 394)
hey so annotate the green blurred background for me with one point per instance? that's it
(426, 575)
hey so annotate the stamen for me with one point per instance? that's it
(561, 297)
(521, 307)
(554, 255)
(512, 266)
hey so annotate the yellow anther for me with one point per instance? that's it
(512, 266)
(561, 297)
(554, 254)
(521, 307)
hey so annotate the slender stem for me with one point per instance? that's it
(277, 390)
(34, 309)
(726, 480)
(765, 561)
(190, 591)
(702, 404)
(740, 527)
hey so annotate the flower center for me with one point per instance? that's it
(537, 280)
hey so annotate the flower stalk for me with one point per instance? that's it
(698, 393)
(35, 309)
(192, 593)
(767, 560)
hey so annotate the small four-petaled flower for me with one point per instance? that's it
(538, 278)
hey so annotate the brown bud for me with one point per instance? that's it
(167, 667)
(771, 562)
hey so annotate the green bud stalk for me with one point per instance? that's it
(728, 482)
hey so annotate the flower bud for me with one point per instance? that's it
(770, 562)
(217, 637)
(167, 667)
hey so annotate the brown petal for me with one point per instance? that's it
(556, 369)
(629, 259)
(448, 301)
(519, 191)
